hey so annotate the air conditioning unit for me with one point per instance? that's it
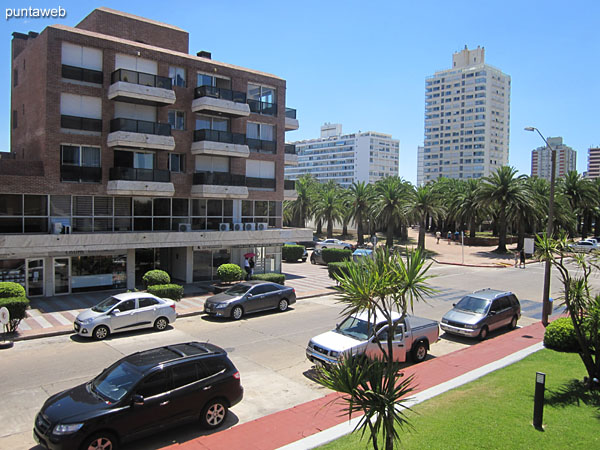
(56, 228)
(262, 226)
(223, 227)
(249, 226)
(66, 229)
(238, 226)
(185, 227)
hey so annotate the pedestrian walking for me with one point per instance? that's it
(438, 235)
(247, 268)
(516, 259)
(522, 258)
(251, 263)
(456, 235)
(449, 236)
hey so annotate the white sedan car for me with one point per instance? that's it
(333, 243)
(124, 312)
(585, 246)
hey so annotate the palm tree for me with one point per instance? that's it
(328, 207)
(447, 189)
(390, 204)
(523, 210)
(464, 206)
(581, 196)
(301, 208)
(501, 191)
(424, 203)
(361, 202)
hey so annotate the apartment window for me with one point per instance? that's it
(211, 80)
(206, 163)
(81, 63)
(15, 117)
(176, 162)
(177, 76)
(177, 119)
(262, 131)
(262, 99)
(134, 160)
(204, 122)
(81, 112)
(15, 77)
(80, 164)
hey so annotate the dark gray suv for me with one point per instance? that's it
(481, 312)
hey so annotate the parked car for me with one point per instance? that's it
(143, 393)
(316, 257)
(356, 335)
(362, 252)
(476, 314)
(333, 243)
(304, 255)
(249, 297)
(125, 312)
(584, 246)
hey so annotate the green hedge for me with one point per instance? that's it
(331, 255)
(9, 289)
(153, 277)
(172, 291)
(560, 335)
(335, 268)
(230, 272)
(16, 308)
(278, 278)
(292, 253)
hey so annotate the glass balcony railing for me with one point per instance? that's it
(81, 74)
(219, 179)
(145, 79)
(130, 174)
(219, 136)
(290, 149)
(262, 146)
(222, 93)
(80, 123)
(267, 109)
(289, 185)
(267, 183)
(140, 126)
(290, 113)
(80, 174)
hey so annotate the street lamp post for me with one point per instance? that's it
(547, 269)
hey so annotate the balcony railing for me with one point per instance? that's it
(80, 174)
(145, 79)
(80, 123)
(224, 94)
(267, 109)
(140, 126)
(219, 136)
(268, 183)
(289, 185)
(219, 179)
(290, 113)
(290, 149)
(130, 174)
(260, 145)
(81, 74)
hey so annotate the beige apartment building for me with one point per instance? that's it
(541, 159)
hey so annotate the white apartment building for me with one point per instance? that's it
(346, 158)
(467, 119)
(593, 168)
(541, 159)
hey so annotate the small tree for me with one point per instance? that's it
(153, 277)
(229, 273)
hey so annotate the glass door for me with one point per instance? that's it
(62, 276)
(35, 277)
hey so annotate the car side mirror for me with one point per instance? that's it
(115, 311)
(453, 304)
(248, 295)
(137, 400)
(492, 313)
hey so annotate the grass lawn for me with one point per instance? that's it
(496, 411)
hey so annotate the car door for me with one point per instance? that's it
(122, 315)
(494, 315)
(505, 311)
(255, 299)
(146, 311)
(373, 350)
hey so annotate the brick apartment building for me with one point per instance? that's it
(128, 153)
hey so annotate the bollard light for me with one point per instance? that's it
(538, 401)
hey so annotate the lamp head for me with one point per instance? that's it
(529, 129)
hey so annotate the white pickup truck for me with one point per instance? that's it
(355, 335)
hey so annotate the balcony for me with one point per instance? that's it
(264, 108)
(289, 190)
(291, 123)
(80, 174)
(130, 181)
(219, 185)
(81, 123)
(220, 143)
(261, 183)
(221, 101)
(291, 158)
(141, 88)
(81, 74)
(258, 145)
(140, 134)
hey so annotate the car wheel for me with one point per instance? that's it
(237, 313)
(303, 259)
(513, 323)
(101, 332)
(160, 324)
(100, 441)
(347, 248)
(312, 261)
(419, 352)
(213, 414)
(483, 333)
(283, 304)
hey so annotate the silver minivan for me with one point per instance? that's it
(476, 314)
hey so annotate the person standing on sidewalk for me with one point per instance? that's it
(438, 235)
(247, 268)
(522, 258)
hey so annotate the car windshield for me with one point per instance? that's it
(238, 289)
(355, 328)
(116, 381)
(105, 304)
(472, 304)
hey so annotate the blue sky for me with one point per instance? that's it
(363, 64)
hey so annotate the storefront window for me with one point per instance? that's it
(94, 273)
(13, 270)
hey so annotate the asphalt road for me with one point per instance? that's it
(268, 350)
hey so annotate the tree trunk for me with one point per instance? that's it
(521, 233)
(390, 235)
(329, 228)
(421, 244)
(404, 232)
(360, 232)
(345, 230)
(472, 228)
(319, 226)
(501, 231)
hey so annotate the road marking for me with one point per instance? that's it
(42, 322)
(61, 319)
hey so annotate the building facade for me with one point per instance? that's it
(128, 154)
(541, 159)
(467, 119)
(593, 166)
(346, 158)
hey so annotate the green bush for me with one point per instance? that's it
(334, 268)
(292, 253)
(16, 308)
(230, 272)
(153, 277)
(172, 291)
(9, 289)
(336, 254)
(278, 278)
(560, 335)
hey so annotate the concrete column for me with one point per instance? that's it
(131, 269)
(189, 266)
(48, 276)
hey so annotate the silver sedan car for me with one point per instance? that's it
(124, 312)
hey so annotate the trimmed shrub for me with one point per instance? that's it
(336, 268)
(331, 255)
(16, 308)
(153, 277)
(9, 289)
(228, 273)
(560, 335)
(292, 253)
(172, 291)
(278, 278)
